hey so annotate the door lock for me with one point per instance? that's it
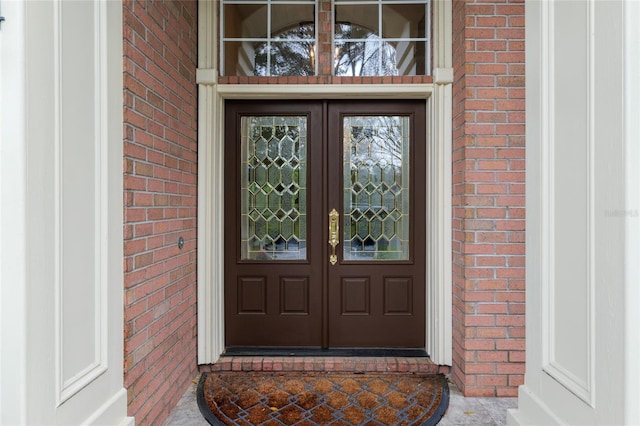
(334, 235)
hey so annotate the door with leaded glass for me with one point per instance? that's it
(325, 224)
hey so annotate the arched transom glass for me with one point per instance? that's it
(381, 37)
(357, 38)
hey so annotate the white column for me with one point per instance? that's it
(62, 298)
(582, 219)
(13, 219)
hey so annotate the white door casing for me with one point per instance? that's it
(210, 176)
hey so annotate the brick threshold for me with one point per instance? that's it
(326, 364)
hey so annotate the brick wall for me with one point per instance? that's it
(160, 163)
(488, 197)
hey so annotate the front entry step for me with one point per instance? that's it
(326, 364)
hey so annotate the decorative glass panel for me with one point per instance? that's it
(376, 188)
(273, 188)
(381, 37)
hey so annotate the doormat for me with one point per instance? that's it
(306, 398)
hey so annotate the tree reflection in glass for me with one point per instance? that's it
(291, 52)
(359, 52)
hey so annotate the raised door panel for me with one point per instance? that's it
(252, 296)
(294, 296)
(355, 296)
(398, 296)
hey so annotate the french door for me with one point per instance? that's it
(325, 224)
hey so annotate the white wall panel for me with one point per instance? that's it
(80, 188)
(568, 156)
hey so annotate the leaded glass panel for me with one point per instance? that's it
(273, 188)
(376, 188)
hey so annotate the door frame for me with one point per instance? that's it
(324, 324)
(211, 98)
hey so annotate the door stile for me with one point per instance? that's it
(325, 230)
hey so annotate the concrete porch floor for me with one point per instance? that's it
(461, 411)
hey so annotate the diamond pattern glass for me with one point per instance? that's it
(376, 188)
(273, 188)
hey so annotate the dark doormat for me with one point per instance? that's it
(306, 398)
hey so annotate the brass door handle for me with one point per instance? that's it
(334, 235)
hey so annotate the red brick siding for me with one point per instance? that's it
(160, 189)
(488, 197)
(326, 363)
(327, 79)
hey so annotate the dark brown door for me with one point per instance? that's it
(325, 224)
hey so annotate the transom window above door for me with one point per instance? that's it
(320, 37)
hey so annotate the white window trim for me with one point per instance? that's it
(211, 97)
